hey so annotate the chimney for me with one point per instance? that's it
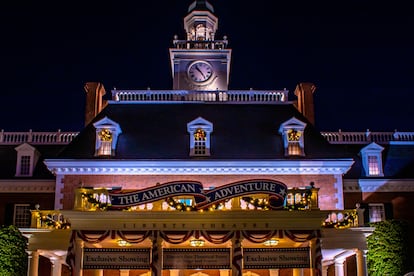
(94, 100)
(304, 92)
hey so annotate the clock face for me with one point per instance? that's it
(200, 71)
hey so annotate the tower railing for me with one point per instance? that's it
(200, 44)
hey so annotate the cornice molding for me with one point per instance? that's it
(261, 167)
(27, 186)
(378, 185)
(170, 220)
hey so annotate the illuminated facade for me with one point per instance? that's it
(202, 180)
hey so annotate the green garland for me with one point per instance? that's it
(180, 206)
(50, 222)
(348, 221)
(257, 203)
(96, 203)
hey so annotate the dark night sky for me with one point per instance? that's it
(359, 54)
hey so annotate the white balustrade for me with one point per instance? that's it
(37, 138)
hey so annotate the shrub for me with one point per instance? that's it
(388, 250)
(13, 256)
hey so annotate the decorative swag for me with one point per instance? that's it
(177, 237)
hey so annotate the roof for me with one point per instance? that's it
(201, 5)
(8, 161)
(397, 161)
(241, 131)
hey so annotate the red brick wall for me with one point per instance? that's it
(327, 192)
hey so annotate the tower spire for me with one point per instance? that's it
(201, 5)
(200, 23)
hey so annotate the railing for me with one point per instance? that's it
(344, 219)
(342, 137)
(271, 96)
(200, 44)
(36, 138)
(98, 199)
(48, 219)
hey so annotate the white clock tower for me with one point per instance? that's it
(200, 62)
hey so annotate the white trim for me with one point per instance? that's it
(372, 150)
(230, 167)
(339, 195)
(386, 185)
(58, 192)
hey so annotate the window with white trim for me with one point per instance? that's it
(200, 130)
(27, 157)
(376, 212)
(107, 132)
(292, 134)
(21, 215)
(372, 160)
(25, 165)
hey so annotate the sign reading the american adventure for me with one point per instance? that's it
(203, 258)
(116, 258)
(276, 190)
(274, 258)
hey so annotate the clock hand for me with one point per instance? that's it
(198, 69)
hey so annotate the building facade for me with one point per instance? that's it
(203, 180)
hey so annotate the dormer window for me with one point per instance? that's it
(199, 130)
(107, 132)
(292, 133)
(27, 157)
(372, 160)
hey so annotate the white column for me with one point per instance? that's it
(298, 272)
(33, 263)
(360, 264)
(325, 270)
(124, 272)
(340, 268)
(98, 272)
(56, 264)
(224, 272)
(273, 272)
(312, 247)
(174, 272)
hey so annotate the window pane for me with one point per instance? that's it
(21, 215)
(293, 148)
(25, 165)
(373, 168)
(106, 148)
(376, 212)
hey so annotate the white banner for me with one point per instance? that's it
(116, 258)
(203, 258)
(273, 258)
